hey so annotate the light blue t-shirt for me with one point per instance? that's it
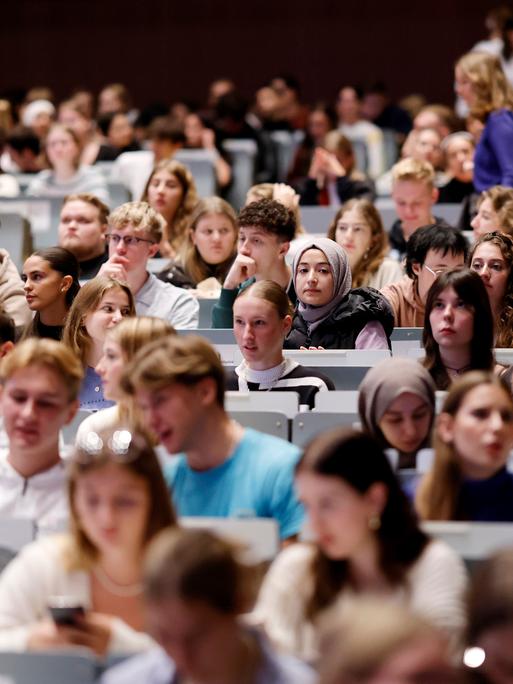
(256, 481)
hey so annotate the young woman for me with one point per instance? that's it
(66, 176)
(261, 320)
(103, 302)
(396, 404)
(200, 136)
(210, 247)
(358, 228)
(492, 258)
(40, 381)
(366, 541)
(494, 212)
(197, 589)
(118, 502)
(458, 149)
(481, 82)
(51, 285)
(458, 327)
(473, 438)
(329, 314)
(120, 346)
(171, 191)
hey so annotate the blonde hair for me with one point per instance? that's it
(141, 217)
(75, 334)
(190, 258)
(49, 354)
(374, 256)
(177, 232)
(131, 334)
(490, 86)
(438, 491)
(501, 199)
(270, 292)
(411, 169)
(140, 460)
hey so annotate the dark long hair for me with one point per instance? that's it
(64, 262)
(359, 461)
(469, 287)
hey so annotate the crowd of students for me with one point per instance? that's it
(359, 591)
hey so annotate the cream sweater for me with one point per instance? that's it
(34, 576)
(436, 584)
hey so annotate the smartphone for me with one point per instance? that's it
(65, 610)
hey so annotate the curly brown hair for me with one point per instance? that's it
(504, 324)
(374, 256)
(270, 215)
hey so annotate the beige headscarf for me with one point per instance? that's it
(384, 383)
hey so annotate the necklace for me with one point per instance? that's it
(121, 590)
(458, 371)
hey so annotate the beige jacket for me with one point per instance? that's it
(406, 304)
(12, 296)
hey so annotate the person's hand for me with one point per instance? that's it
(316, 169)
(312, 349)
(46, 635)
(332, 166)
(286, 195)
(91, 631)
(115, 267)
(243, 267)
(208, 139)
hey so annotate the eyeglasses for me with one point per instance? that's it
(128, 240)
(436, 272)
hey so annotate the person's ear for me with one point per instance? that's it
(434, 195)
(72, 411)
(154, 248)
(192, 235)
(67, 281)
(206, 390)
(287, 324)
(5, 348)
(416, 267)
(284, 248)
(444, 426)
(376, 497)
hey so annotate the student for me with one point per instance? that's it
(121, 344)
(82, 228)
(266, 229)
(396, 404)
(118, 503)
(51, 285)
(379, 642)
(492, 258)
(222, 469)
(431, 250)
(367, 540)
(459, 150)
(195, 583)
(40, 380)
(494, 212)
(209, 248)
(358, 228)
(329, 314)
(100, 305)
(66, 176)
(414, 194)
(262, 317)
(24, 149)
(469, 479)
(458, 327)
(171, 191)
(135, 232)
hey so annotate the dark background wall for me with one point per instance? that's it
(171, 50)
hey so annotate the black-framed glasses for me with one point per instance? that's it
(128, 240)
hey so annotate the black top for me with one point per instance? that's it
(303, 380)
(396, 237)
(54, 332)
(347, 188)
(90, 267)
(340, 330)
(455, 191)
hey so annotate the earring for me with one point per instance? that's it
(374, 523)
(366, 255)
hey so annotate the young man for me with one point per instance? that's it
(431, 250)
(23, 151)
(222, 469)
(266, 229)
(135, 232)
(82, 228)
(40, 380)
(414, 194)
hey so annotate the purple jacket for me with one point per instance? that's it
(493, 160)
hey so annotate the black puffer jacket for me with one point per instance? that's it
(340, 330)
